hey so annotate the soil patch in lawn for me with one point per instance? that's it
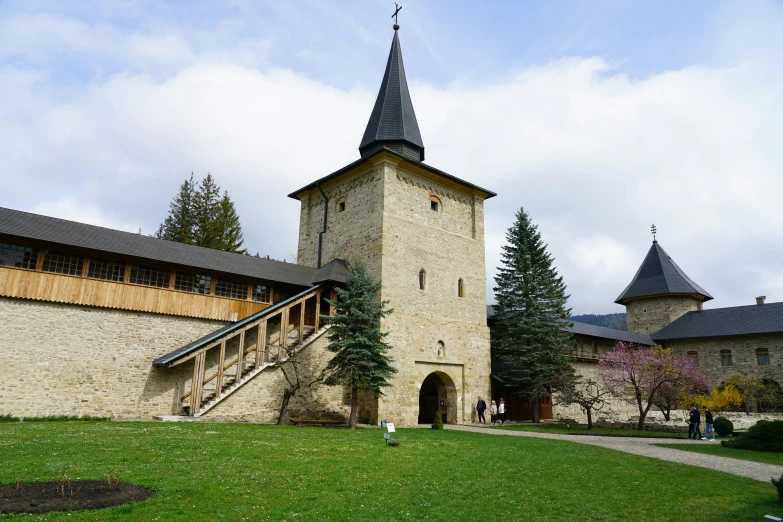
(42, 497)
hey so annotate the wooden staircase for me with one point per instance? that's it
(229, 358)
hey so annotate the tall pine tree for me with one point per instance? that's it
(198, 215)
(361, 361)
(528, 341)
(179, 224)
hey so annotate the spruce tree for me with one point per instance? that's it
(528, 341)
(199, 216)
(361, 361)
(178, 225)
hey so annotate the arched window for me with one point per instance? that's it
(725, 358)
(422, 279)
(441, 349)
(695, 357)
(762, 357)
(435, 202)
(460, 288)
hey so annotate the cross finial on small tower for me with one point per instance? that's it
(397, 9)
(654, 231)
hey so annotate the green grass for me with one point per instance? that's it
(713, 448)
(233, 472)
(582, 429)
(53, 418)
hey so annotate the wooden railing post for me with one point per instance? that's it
(317, 310)
(301, 321)
(195, 399)
(220, 369)
(333, 298)
(260, 343)
(240, 360)
(282, 340)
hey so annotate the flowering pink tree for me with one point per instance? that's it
(638, 374)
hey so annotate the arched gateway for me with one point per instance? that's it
(438, 395)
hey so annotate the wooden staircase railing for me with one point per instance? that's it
(292, 318)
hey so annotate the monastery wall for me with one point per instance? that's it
(649, 315)
(743, 354)
(61, 359)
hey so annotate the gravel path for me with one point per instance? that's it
(644, 447)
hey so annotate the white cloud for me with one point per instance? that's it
(594, 157)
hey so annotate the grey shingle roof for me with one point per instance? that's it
(660, 275)
(335, 270)
(718, 322)
(72, 234)
(598, 331)
(392, 118)
(610, 333)
(366, 159)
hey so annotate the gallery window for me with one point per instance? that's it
(762, 357)
(695, 357)
(231, 289)
(63, 263)
(150, 276)
(196, 283)
(422, 279)
(725, 358)
(18, 256)
(106, 269)
(262, 294)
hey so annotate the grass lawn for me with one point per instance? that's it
(713, 448)
(233, 472)
(582, 429)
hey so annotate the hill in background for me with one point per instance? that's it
(616, 321)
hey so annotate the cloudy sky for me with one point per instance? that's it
(599, 118)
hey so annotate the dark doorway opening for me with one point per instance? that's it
(428, 399)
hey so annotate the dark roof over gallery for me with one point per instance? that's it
(598, 331)
(361, 161)
(393, 120)
(719, 322)
(72, 234)
(660, 275)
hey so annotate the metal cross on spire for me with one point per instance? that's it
(397, 9)
(654, 231)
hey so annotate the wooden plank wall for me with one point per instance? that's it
(27, 284)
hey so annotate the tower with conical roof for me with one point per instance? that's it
(659, 293)
(421, 232)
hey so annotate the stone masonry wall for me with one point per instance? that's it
(649, 315)
(75, 360)
(743, 352)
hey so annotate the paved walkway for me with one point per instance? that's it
(644, 447)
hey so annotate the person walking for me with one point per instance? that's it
(481, 407)
(502, 412)
(493, 413)
(690, 422)
(696, 423)
(708, 427)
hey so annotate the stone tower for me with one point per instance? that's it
(421, 232)
(659, 293)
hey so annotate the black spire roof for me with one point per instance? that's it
(660, 275)
(393, 123)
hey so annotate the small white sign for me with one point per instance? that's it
(390, 427)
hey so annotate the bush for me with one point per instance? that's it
(723, 426)
(762, 436)
(437, 424)
(779, 484)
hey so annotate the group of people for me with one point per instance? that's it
(497, 411)
(694, 421)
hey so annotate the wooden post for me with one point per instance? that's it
(260, 343)
(195, 405)
(194, 387)
(283, 333)
(333, 298)
(317, 310)
(220, 369)
(301, 321)
(240, 357)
